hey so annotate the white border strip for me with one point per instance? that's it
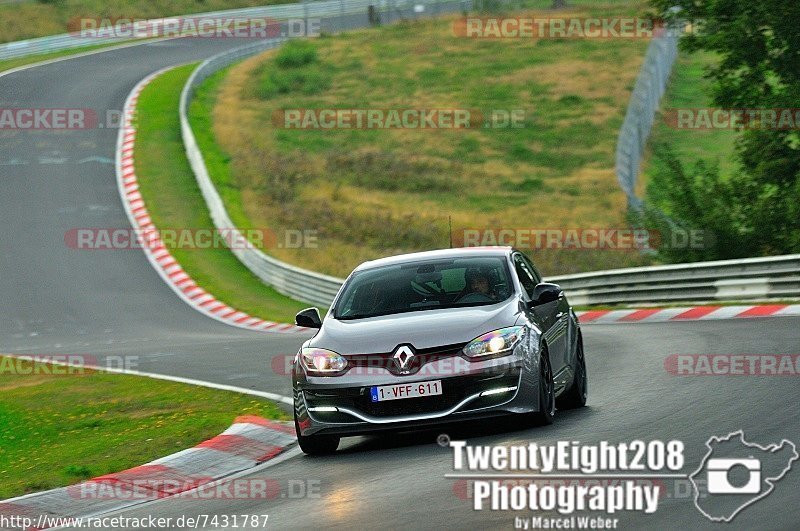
(666, 315)
(76, 55)
(166, 377)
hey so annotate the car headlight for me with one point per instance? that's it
(322, 361)
(497, 343)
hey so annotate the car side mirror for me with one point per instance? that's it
(545, 292)
(308, 318)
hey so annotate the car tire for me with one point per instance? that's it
(576, 395)
(547, 402)
(316, 444)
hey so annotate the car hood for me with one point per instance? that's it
(421, 329)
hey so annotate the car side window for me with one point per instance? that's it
(536, 276)
(526, 277)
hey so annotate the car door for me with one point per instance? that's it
(555, 316)
(546, 314)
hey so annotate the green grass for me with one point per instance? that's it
(370, 193)
(60, 429)
(217, 161)
(689, 89)
(174, 200)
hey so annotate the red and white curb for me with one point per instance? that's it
(157, 253)
(202, 472)
(697, 313)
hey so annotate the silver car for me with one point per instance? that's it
(416, 340)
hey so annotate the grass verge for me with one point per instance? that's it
(689, 89)
(370, 193)
(60, 429)
(174, 201)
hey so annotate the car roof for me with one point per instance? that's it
(462, 252)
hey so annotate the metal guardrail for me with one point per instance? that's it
(289, 280)
(755, 278)
(650, 86)
(338, 11)
(732, 280)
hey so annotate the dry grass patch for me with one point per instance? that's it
(371, 193)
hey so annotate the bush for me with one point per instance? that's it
(295, 69)
(296, 53)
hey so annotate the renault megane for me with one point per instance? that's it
(420, 339)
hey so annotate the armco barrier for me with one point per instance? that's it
(338, 11)
(747, 279)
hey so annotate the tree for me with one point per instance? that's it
(695, 201)
(758, 42)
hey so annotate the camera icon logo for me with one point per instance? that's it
(719, 471)
(736, 473)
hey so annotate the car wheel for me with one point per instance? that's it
(547, 402)
(575, 396)
(316, 444)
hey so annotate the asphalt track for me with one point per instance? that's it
(58, 300)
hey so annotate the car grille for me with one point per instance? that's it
(454, 390)
(421, 357)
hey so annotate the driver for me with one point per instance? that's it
(478, 282)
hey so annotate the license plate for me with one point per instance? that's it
(410, 390)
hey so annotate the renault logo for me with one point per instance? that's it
(403, 356)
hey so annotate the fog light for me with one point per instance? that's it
(498, 391)
(324, 409)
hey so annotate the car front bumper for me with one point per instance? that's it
(464, 386)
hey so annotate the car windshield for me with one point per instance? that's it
(427, 285)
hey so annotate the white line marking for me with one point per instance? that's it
(177, 379)
(78, 55)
